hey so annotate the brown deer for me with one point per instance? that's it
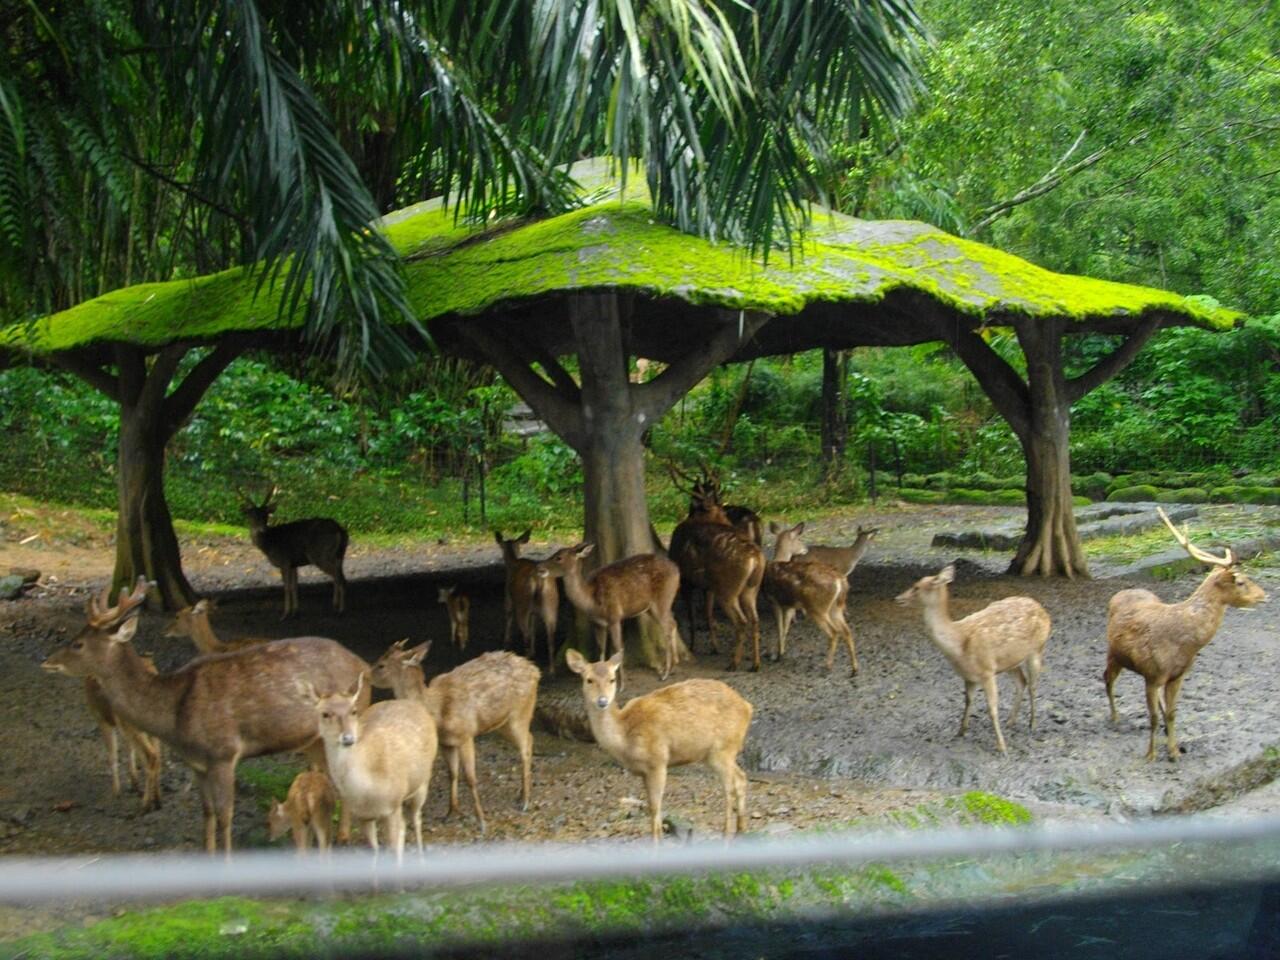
(144, 749)
(843, 559)
(495, 692)
(729, 566)
(458, 605)
(214, 711)
(1007, 636)
(794, 582)
(643, 584)
(528, 595)
(1160, 640)
(379, 758)
(288, 546)
(307, 811)
(193, 622)
(694, 721)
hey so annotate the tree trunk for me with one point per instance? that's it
(835, 427)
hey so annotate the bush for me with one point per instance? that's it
(1093, 486)
(1134, 494)
(912, 495)
(994, 498)
(1242, 494)
(1183, 495)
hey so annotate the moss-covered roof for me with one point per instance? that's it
(455, 270)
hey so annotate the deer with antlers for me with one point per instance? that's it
(1160, 640)
(316, 540)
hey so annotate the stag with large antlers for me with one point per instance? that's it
(1160, 640)
(316, 540)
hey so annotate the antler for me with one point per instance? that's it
(101, 616)
(1183, 539)
(679, 477)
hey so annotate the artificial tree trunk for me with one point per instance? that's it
(603, 417)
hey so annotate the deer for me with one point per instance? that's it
(307, 811)
(694, 721)
(288, 546)
(528, 596)
(1160, 641)
(645, 583)
(794, 582)
(843, 559)
(214, 711)
(458, 606)
(142, 746)
(495, 692)
(729, 566)
(379, 758)
(193, 622)
(1007, 636)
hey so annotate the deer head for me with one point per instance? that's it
(396, 660)
(564, 560)
(338, 712)
(259, 514)
(928, 589)
(788, 543)
(1226, 580)
(599, 680)
(95, 648)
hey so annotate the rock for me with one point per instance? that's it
(776, 828)
(28, 574)
(11, 587)
(20, 815)
(677, 827)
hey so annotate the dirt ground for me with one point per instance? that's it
(823, 748)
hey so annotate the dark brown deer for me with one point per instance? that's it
(318, 540)
(458, 605)
(645, 583)
(1160, 640)
(528, 596)
(214, 711)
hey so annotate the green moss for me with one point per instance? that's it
(1243, 494)
(989, 809)
(1134, 494)
(1094, 486)
(922, 496)
(1183, 495)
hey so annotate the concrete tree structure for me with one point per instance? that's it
(607, 283)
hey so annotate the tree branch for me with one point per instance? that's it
(91, 373)
(655, 397)
(131, 367)
(561, 413)
(180, 404)
(1001, 382)
(1112, 363)
(158, 378)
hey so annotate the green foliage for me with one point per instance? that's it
(1183, 495)
(1135, 494)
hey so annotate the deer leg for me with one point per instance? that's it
(468, 751)
(150, 750)
(1109, 678)
(339, 590)
(1017, 697)
(417, 800)
(1155, 705)
(747, 602)
(655, 782)
(371, 836)
(290, 577)
(112, 743)
(517, 732)
(848, 642)
(711, 620)
(549, 622)
(299, 832)
(993, 707)
(508, 609)
(1171, 691)
(1033, 665)
(223, 778)
(968, 707)
(726, 769)
(451, 759)
(207, 808)
(739, 630)
(780, 619)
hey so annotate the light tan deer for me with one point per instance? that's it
(317, 540)
(712, 554)
(643, 584)
(1160, 640)
(458, 606)
(193, 622)
(843, 559)
(1007, 636)
(144, 749)
(307, 811)
(528, 596)
(694, 721)
(495, 692)
(214, 711)
(379, 759)
(794, 582)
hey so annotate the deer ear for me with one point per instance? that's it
(417, 654)
(307, 691)
(575, 661)
(524, 537)
(947, 574)
(615, 661)
(799, 528)
(775, 527)
(124, 633)
(353, 694)
(584, 550)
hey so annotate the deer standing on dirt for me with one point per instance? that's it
(843, 559)
(528, 595)
(307, 811)
(495, 692)
(1160, 640)
(214, 711)
(288, 546)
(794, 582)
(694, 721)
(193, 622)
(144, 750)
(643, 584)
(458, 605)
(379, 759)
(1007, 636)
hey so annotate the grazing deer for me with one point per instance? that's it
(1160, 640)
(843, 559)
(459, 607)
(214, 711)
(645, 583)
(307, 811)
(288, 546)
(1007, 636)
(494, 692)
(379, 759)
(694, 721)
(528, 594)
(193, 622)
(794, 582)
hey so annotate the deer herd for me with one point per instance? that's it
(372, 761)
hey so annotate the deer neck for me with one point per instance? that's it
(578, 590)
(606, 727)
(203, 636)
(1205, 608)
(148, 701)
(410, 684)
(942, 629)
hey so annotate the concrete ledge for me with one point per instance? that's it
(1098, 520)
